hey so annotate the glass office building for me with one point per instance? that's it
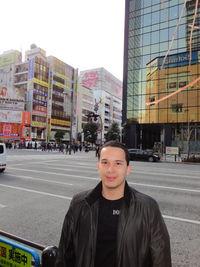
(161, 85)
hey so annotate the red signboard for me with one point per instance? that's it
(7, 129)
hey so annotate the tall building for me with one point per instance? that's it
(85, 105)
(161, 89)
(107, 97)
(37, 96)
(62, 99)
(13, 117)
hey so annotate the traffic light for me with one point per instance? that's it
(95, 116)
(91, 115)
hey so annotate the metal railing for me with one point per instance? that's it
(20, 252)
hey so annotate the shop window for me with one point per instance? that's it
(172, 86)
(178, 108)
(152, 99)
(182, 84)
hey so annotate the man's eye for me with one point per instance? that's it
(104, 162)
(119, 163)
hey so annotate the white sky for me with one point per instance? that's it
(83, 33)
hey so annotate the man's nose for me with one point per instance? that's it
(111, 167)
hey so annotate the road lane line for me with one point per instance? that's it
(38, 179)
(90, 178)
(89, 166)
(167, 174)
(180, 219)
(166, 187)
(2, 206)
(36, 192)
(70, 198)
(55, 173)
(64, 169)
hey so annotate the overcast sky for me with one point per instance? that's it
(83, 33)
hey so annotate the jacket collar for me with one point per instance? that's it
(96, 193)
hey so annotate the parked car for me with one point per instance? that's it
(2, 157)
(139, 154)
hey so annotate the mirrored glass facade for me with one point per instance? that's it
(161, 89)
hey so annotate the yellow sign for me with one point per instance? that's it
(14, 257)
(60, 122)
(40, 82)
(39, 124)
(7, 59)
(61, 85)
(62, 76)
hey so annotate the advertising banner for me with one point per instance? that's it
(12, 98)
(170, 150)
(178, 60)
(38, 124)
(31, 68)
(100, 79)
(8, 130)
(26, 117)
(11, 116)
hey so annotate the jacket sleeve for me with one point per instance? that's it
(65, 255)
(160, 241)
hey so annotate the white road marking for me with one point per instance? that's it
(167, 174)
(69, 198)
(2, 206)
(35, 191)
(89, 166)
(64, 169)
(38, 179)
(91, 178)
(181, 219)
(167, 187)
(55, 173)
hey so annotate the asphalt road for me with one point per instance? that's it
(36, 189)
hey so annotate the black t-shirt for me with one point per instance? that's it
(106, 243)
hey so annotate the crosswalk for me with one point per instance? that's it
(48, 156)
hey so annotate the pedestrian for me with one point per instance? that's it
(97, 150)
(113, 225)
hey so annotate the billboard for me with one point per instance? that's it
(10, 58)
(12, 98)
(26, 117)
(31, 63)
(178, 60)
(11, 116)
(101, 79)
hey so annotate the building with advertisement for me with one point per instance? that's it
(37, 96)
(13, 117)
(85, 105)
(161, 93)
(107, 96)
(33, 76)
(62, 99)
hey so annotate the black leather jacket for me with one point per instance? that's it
(143, 239)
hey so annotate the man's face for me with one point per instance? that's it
(113, 168)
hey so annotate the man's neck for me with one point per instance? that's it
(113, 193)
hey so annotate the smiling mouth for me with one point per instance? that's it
(111, 178)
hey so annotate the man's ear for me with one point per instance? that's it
(129, 169)
(97, 165)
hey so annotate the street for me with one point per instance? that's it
(37, 187)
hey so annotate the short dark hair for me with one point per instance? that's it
(116, 144)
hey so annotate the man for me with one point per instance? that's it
(113, 225)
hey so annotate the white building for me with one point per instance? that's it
(107, 96)
(85, 105)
